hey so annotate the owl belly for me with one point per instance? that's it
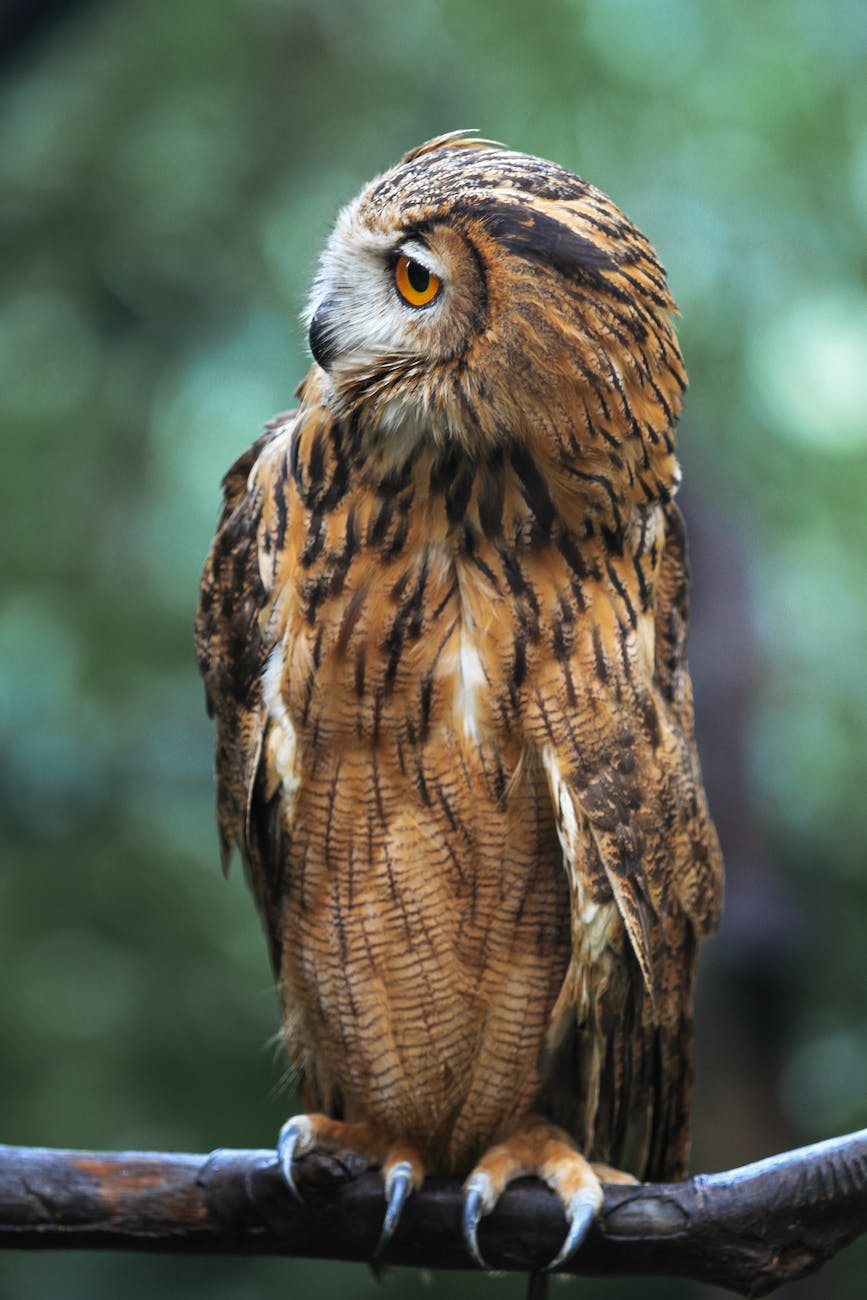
(427, 939)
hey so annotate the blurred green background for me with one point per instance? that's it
(167, 174)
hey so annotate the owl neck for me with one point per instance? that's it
(571, 465)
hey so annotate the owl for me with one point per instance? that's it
(442, 629)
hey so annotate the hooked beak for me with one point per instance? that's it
(321, 336)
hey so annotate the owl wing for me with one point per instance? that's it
(233, 643)
(699, 879)
(636, 833)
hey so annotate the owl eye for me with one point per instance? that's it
(415, 283)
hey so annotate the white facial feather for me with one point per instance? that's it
(366, 319)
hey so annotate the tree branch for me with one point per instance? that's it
(749, 1230)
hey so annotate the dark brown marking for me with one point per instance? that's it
(518, 671)
(398, 539)
(313, 593)
(407, 622)
(317, 646)
(400, 586)
(454, 858)
(601, 662)
(393, 645)
(479, 315)
(622, 593)
(650, 718)
(377, 795)
(360, 670)
(542, 238)
(426, 700)
(517, 582)
(396, 479)
(315, 539)
(308, 698)
(450, 592)
(625, 640)
(379, 522)
(643, 291)
(444, 470)
(315, 471)
(558, 638)
(534, 489)
(612, 539)
(421, 783)
(643, 588)
(282, 514)
(458, 493)
(351, 615)
(601, 480)
(339, 483)
(490, 503)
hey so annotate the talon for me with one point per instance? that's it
(475, 1196)
(291, 1142)
(581, 1212)
(398, 1185)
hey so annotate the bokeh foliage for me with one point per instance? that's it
(167, 173)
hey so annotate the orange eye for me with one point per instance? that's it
(415, 283)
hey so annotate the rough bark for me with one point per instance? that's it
(749, 1229)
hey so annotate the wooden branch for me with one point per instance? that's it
(749, 1230)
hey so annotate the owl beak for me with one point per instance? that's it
(322, 342)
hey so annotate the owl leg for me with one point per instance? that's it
(535, 1147)
(402, 1167)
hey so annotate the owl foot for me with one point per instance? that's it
(548, 1152)
(402, 1168)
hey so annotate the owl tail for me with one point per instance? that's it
(619, 1079)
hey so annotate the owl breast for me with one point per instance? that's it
(426, 911)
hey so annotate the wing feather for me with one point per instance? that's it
(699, 889)
(234, 643)
(641, 856)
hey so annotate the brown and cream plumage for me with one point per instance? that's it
(442, 628)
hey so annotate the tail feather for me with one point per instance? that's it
(621, 1080)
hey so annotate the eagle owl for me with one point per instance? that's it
(442, 629)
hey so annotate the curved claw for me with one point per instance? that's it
(474, 1206)
(398, 1185)
(287, 1143)
(581, 1213)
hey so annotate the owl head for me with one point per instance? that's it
(472, 295)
